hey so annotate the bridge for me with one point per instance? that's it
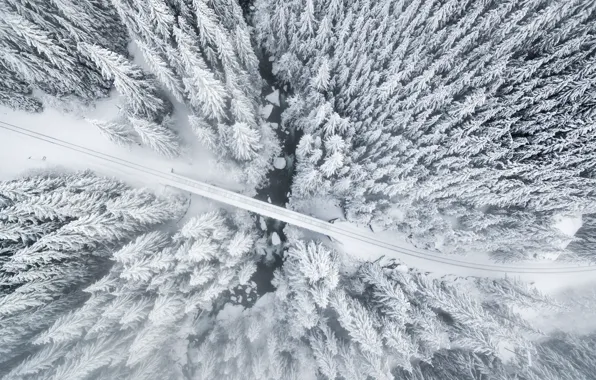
(354, 240)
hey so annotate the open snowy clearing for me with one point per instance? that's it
(19, 153)
(359, 242)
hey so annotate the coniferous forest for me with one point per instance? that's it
(464, 129)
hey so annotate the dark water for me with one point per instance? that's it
(279, 183)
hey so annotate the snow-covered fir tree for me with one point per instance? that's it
(324, 321)
(201, 54)
(561, 357)
(39, 50)
(468, 120)
(57, 233)
(141, 313)
(71, 52)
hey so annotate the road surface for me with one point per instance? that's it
(354, 240)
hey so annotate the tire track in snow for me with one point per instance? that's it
(300, 220)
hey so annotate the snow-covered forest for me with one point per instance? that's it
(472, 118)
(461, 128)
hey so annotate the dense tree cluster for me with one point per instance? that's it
(89, 289)
(472, 118)
(59, 324)
(468, 125)
(198, 52)
(39, 50)
(375, 323)
(57, 233)
(201, 53)
(65, 52)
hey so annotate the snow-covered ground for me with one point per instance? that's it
(19, 153)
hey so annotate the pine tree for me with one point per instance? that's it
(115, 132)
(16, 93)
(129, 80)
(584, 246)
(147, 302)
(201, 53)
(56, 235)
(473, 112)
(157, 137)
(38, 49)
(563, 356)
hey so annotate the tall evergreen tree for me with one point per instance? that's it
(584, 245)
(201, 53)
(472, 119)
(56, 236)
(144, 308)
(38, 48)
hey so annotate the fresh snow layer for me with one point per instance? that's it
(15, 149)
(279, 163)
(266, 111)
(273, 98)
(262, 223)
(275, 240)
(568, 224)
(229, 312)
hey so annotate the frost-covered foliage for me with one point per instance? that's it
(56, 236)
(201, 53)
(584, 245)
(373, 323)
(138, 319)
(562, 357)
(39, 50)
(72, 51)
(474, 119)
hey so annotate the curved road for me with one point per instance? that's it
(353, 239)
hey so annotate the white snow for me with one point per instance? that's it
(274, 125)
(324, 208)
(266, 111)
(279, 163)
(229, 311)
(262, 223)
(273, 97)
(271, 59)
(402, 268)
(275, 240)
(15, 149)
(546, 282)
(269, 199)
(568, 224)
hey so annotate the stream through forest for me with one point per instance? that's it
(279, 180)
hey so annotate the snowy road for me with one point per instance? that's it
(356, 241)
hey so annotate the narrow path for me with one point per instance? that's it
(351, 238)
